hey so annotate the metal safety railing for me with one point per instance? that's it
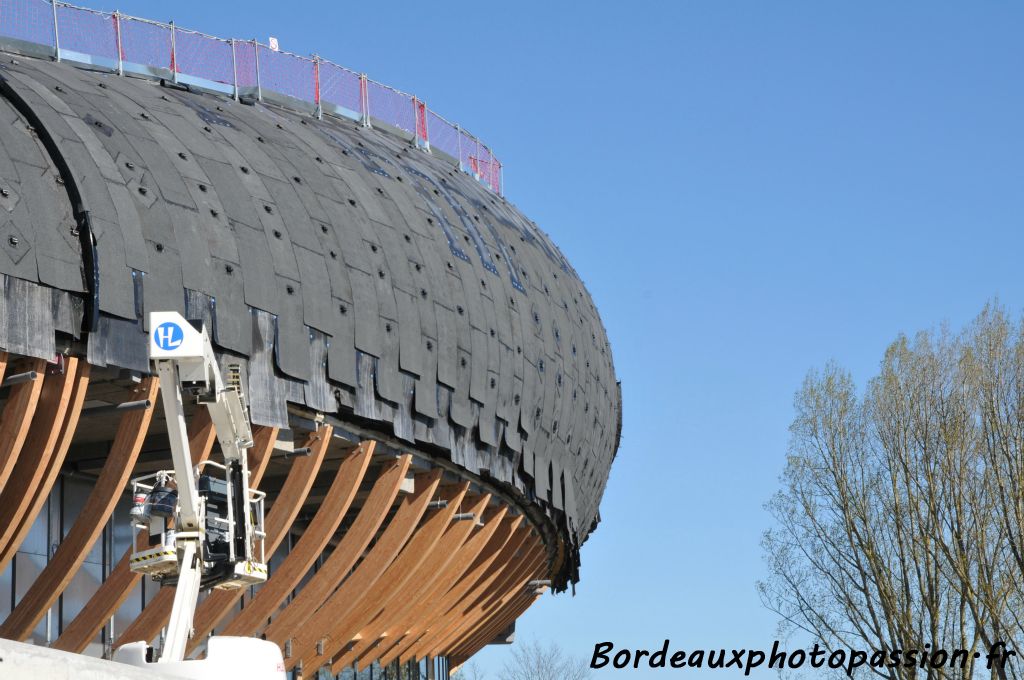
(239, 68)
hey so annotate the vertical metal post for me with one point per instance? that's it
(256, 54)
(49, 542)
(174, 56)
(364, 99)
(117, 34)
(458, 136)
(55, 543)
(316, 83)
(108, 560)
(234, 68)
(56, 32)
(288, 551)
(417, 136)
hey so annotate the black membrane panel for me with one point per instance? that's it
(344, 269)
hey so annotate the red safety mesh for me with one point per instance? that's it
(28, 20)
(203, 56)
(477, 159)
(391, 106)
(316, 82)
(149, 44)
(488, 169)
(421, 120)
(87, 32)
(469, 151)
(443, 135)
(287, 73)
(339, 86)
(145, 43)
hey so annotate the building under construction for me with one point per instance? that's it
(433, 403)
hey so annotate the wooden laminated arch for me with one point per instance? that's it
(428, 551)
(48, 442)
(492, 616)
(459, 656)
(458, 608)
(513, 609)
(251, 620)
(432, 570)
(71, 553)
(425, 609)
(405, 579)
(502, 546)
(119, 584)
(350, 594)
(289, 501)
(17, 416)
(340, 495)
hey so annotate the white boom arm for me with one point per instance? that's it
(183, 355)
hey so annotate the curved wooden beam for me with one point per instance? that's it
(501, 620)
(118, 585)
(527, 562)
(49, 439)
(460, 656)
(286, 506)
(252, 619)
(397, 578)
(488, 629)
(349, 596)
(456, 603)
(510, 583)
(464, 594)
(62, 567)
(507, 532)
(263, 439)
(514, 606)
(406, 629)
(492, 615)
(408, 576)
(419, 586)
(39, 444)
(17, 418)
(287, 576)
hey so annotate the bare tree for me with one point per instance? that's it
(470, 671)
(532, 660)
(899, 521)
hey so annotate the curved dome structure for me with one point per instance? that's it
(410, 330)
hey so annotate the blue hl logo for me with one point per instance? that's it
(169, 336)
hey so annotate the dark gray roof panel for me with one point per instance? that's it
(344, 269)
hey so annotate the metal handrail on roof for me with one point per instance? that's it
(238, 68)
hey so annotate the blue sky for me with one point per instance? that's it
(749, 189)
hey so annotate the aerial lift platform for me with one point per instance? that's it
(205, 523)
